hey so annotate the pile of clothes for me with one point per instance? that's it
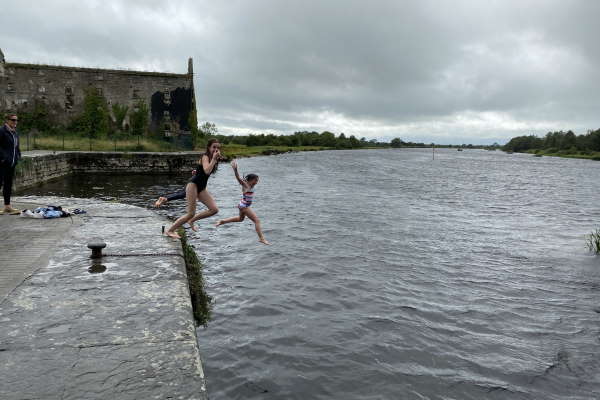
(50, 212)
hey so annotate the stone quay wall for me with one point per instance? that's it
(37, 168)
(112, 328)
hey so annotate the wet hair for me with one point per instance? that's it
(209, 143)
(249, 177)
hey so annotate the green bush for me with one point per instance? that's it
(95, 114)
(139, 119)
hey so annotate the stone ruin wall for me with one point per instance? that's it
(169, 97)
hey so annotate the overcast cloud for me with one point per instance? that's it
(441, 71)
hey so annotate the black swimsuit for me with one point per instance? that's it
(200, 179)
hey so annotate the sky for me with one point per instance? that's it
(447, 72)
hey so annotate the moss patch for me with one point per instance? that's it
(201, 301)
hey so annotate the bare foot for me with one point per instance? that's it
(219, 222)
(161, 200)
(264, 241)
(174, 235)
(193, 227)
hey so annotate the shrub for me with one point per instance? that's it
(593, 241)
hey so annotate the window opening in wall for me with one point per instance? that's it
(167, 130)
(69, 98)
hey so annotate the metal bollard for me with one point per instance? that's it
(96, 249)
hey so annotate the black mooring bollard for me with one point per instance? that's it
(96, 249)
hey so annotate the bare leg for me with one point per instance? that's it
(239, 218)
(252, 215)
(206, 199)
(190, 198)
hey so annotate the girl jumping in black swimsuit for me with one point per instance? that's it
(195, 190)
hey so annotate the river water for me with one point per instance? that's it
(395, 276)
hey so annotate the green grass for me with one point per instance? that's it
(78, 143)
(231, 151)
(587, 155)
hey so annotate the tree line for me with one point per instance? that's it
(554, 142)
(297, 139)
(307, 138)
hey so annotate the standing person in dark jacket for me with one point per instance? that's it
(10, 154)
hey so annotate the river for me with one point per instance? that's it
(395, 276)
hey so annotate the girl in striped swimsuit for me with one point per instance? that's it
(248, 184)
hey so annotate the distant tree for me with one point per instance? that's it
(354, 142)
(208, 129)
(35, 116)
(252, 140)
(342, 142)
(119, 112)
(139, 119)
(327, 139)
(95, 114)
(396, 142)
(594, 140)
(568, 141)
(523, 143)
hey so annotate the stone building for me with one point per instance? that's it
(169, 97)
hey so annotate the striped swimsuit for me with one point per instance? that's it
(247, 194)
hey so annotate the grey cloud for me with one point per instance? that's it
(389, 65)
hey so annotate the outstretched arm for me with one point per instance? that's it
(237, 174)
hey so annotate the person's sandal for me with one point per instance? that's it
(12, 211)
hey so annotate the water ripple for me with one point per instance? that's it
(392, 276)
